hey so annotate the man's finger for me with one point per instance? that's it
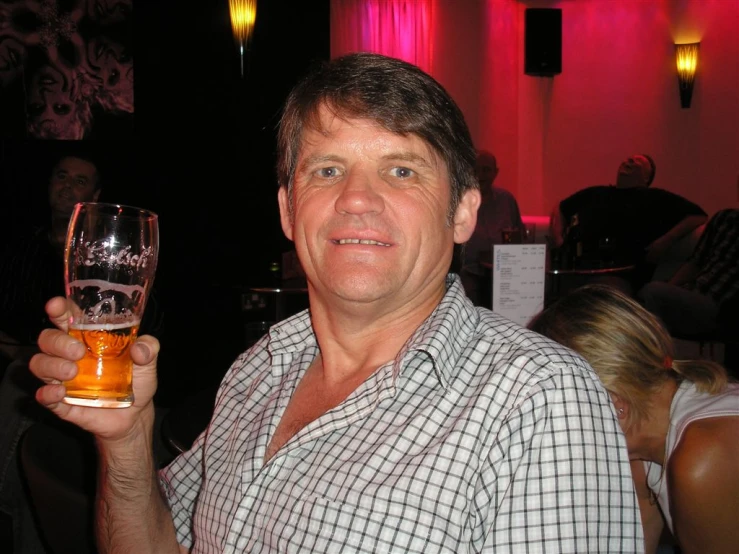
(145, 351)
(58, 313)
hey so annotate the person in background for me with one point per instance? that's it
(31, 270)
(706, 282)
(498, 211)
(32, 265)
(636, 171)
(392, 415)
(680, 417)
(628, 223)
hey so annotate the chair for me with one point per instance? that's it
(727, 335)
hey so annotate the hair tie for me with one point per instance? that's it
(667, 362)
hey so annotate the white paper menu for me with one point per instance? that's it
(518, 280)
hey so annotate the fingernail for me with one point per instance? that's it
(76, 349)
(144, 350)
(69, 370)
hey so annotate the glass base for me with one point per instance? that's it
(97, 402)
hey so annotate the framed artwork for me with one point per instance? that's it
(66, 69)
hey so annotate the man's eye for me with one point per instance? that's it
(401, 172)
(328, 172)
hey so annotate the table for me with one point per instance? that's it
(582, 276)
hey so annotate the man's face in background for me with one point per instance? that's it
(72, 180)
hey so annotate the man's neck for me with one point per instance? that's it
(357, 339)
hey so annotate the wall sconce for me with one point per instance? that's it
(687, 63)
(243, 16)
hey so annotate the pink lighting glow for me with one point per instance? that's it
(402, 29)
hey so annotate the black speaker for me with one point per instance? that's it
(543, 41)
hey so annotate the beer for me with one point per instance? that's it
(105, 373)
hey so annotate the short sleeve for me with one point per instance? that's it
(558, 478)
(180, 482)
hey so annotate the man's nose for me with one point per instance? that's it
(360, 193)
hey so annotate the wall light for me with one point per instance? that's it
(687, 63)
(243, 16)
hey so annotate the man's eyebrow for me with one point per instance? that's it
(315, 160)
(405, 156)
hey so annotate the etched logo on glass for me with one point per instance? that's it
(102, 253)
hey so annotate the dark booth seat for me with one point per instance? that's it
(58, 463)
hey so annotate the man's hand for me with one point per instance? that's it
(56, 363)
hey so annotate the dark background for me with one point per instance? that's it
(203, 157)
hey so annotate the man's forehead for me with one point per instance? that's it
(327, 121)
(77, 166)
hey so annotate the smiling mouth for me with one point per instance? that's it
(361, 241)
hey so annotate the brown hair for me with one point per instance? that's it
(397, 95)
(626, 345)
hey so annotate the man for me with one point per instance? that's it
(629, 223)
(636, 171)
(32, 267)
(32, 270)
(700, 288)
(393, 416)
(498, 211)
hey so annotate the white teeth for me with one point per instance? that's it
(362, 241)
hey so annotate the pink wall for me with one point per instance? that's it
(617, 95)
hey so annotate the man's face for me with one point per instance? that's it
(370, 213)
(72, 180)
(634, 171)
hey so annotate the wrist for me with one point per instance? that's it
(135, 441)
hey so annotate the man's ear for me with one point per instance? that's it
(465, 218)
(285, 216)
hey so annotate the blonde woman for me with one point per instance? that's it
(680, 417)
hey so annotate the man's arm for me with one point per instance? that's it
(558, 477)
(132, 515)
(685, 273)
(659, 246)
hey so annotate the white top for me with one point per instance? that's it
(688, 405)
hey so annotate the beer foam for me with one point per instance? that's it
(106, 285)
(104, 326)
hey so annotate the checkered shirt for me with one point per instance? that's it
(480, 436)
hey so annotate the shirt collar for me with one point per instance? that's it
(445, 333)
(442, 336)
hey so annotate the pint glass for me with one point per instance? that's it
(110, 258)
